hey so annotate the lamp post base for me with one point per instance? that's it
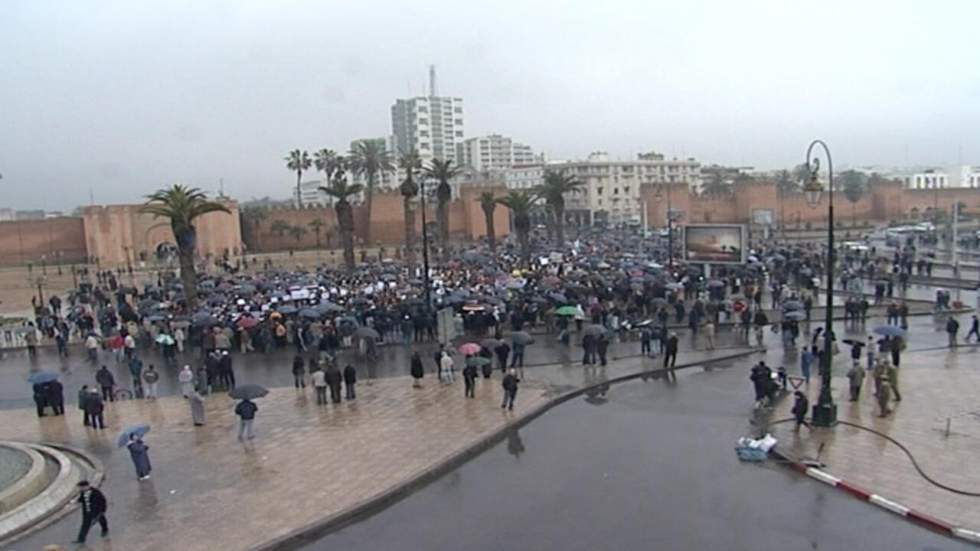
(825, 415)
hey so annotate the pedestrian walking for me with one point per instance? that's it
(670, 355)
(800, 408)
(40, 398)
(95, 407)
(884, 395)
(334, 379)
(246, 410)
(151, 379)
(56, 396)
(891, 372)
(447, 368)
(319, 382)
(509, 384)
(469, 380)
(139, 453)
(974, 328)
(952, 328)
(106, 381)
(93, 505)
(186, 380)
(197, 408)
(298, 367)
(806, 363)
(350, 379)
(709, 334)
(855, 377)
(83, 396)
(417, 370)
(503, 353)
(602, 347)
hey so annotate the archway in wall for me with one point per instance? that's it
(165, 252)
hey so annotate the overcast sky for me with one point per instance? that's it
(124, 97)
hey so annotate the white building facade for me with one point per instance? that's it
(494, 153)
(611, 190)
(432, 125)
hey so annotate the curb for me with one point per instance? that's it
(920, 518)
(367, 507)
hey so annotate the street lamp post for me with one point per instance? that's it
(425, 252)
(824, 411)
(670, 225)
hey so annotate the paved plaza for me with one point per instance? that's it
(938, 386)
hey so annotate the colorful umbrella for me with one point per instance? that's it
(469, 348)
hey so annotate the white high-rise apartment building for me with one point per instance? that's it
(431, 125)
(611, 190)
(494, 153)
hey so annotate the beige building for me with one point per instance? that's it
(494, 153)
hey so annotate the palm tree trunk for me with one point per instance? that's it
(442, 213)
(188, 274)
(560, 224)
(368, 205)
(299, 194)
(491, 231)
(522, 238)
(409, 233)
(347, 234)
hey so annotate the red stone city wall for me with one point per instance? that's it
(55, 239)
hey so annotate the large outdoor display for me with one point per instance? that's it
(714, 243)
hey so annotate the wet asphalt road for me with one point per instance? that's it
(653, 467)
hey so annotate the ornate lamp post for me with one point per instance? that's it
(670, 226)
(425, 251)
(824, 411)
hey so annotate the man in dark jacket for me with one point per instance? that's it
(246, 410)
(106, 381)
(469, 379)
(56, 397)
(40, 397)
(94, 406)
(503, 352)
(800, 408)
(588, 349)
(602, 346)
(93, 504)
(350, 378)
(227, 371)
(670, 354)
(510, 389)
(83, 397)
(334, 378)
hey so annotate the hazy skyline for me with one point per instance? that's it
(125, 97)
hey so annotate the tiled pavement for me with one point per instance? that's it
(930, 396)
(307, 462)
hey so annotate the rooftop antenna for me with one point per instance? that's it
(221, 187)
(432, 81)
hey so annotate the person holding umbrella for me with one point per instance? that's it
(40, 397)
(56, 396)
(246, 410)
(139, 453)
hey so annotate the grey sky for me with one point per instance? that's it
(124, 97)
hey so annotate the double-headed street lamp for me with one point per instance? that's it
(670, 228)
(824, 411)
(425, 252)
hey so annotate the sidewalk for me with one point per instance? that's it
(939, 388)
(307, 463)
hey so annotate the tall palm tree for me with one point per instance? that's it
(556, 185)
(251, 221)
(340, 190)
(326, 161)
(410, 163)
(298, 162)
(520, 204)
(488, 202)
(443, 171)
(297, 232)
(280, 227)
(182, 205)
(369, 157)
(317, 226)
(716, 185)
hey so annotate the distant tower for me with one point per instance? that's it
(433, 91)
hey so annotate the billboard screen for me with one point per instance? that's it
(714, 243)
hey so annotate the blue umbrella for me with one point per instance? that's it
(138, 430)
(889, 331)
(795, 315)
(310, 313)
(792, 305)
(287, 310)
(42, 377)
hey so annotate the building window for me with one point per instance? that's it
(626, 190)
(457, 109)
(615, 191)
(459, 133)
(459, 122)
(423, 121)
(598, 191)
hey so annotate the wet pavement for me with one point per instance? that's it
(650, 465)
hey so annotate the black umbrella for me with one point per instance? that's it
(248, 392)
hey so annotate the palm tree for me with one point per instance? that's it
(488, 202)
(556, 185)
(280, 227)
(326, 160)
(340, 190)
(297, 232)
(369, 157)
(716, 185)
(443, 171)
(317, 226)
(853, 183)
(251, 220)
(182, 204)
(298, 162)
(520, 204)
(410, 163)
